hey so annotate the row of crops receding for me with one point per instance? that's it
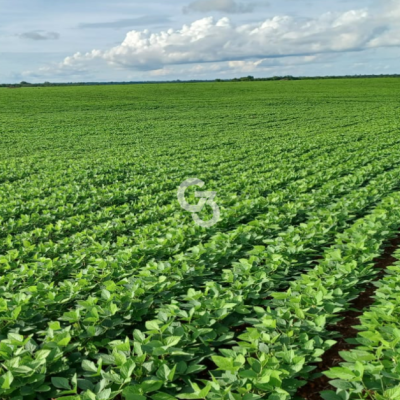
(110, 290)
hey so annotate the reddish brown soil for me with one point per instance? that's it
(311, 391)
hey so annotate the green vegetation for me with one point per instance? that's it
(374, 366)
(109, 290)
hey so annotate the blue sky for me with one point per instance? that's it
(64, 41)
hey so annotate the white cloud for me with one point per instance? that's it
(246, 46)
(225, 6)
(390, 31)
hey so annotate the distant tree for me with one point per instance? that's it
(247, 78)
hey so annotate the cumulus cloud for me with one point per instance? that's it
(225, 6)
(40, 35)
(210, 40)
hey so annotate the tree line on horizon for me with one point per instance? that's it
(242, 79)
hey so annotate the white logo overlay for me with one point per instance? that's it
(206, 198)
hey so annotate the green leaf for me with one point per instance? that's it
(6, 380)
(172, 341)
(16, 312)
(197, 394)
(190, 396)
(89, 395)
(339, 384)
(85, 384)
(150, 386)
(340, 373)
(42, 354)
(104, 394)
(223, 363)
(255, 365)
(128, 368)
(89, 366)
(251, 396)
(61, 383)
(43, 388)
(280, 295)
(152, 325)
(55, 326)
(139, 336)
(133, 393)
(278, 396)
(330, 395)
(393, 393)
(359, 368)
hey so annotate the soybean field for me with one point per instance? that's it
(110, 289)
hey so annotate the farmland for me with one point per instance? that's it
(110, 290)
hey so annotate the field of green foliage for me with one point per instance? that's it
(108, 288)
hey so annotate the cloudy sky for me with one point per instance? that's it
(125, 40)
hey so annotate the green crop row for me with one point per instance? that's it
(372, 370)
(380, 184)
(288, 333)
